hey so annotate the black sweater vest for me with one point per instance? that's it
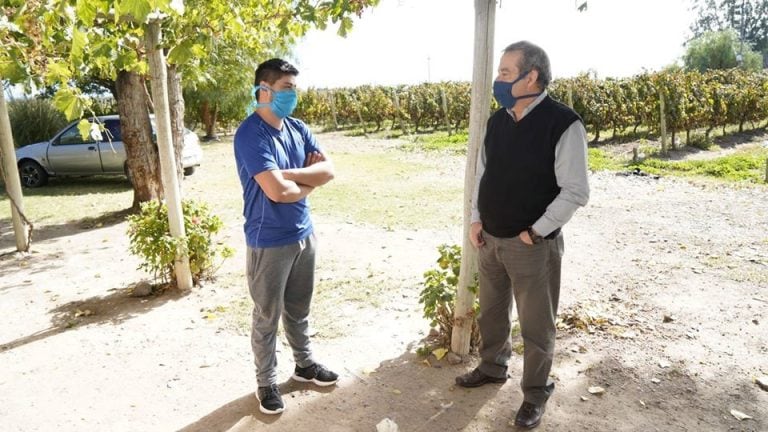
(519, 180)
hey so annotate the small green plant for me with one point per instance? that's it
(599, 160)
(150, 238)
(700, 141)
(439, 292)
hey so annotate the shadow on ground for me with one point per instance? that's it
(416, 397)
(423, 399)
(112, 309)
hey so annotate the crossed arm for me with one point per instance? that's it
(291, 185)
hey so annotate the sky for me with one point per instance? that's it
(414, 41)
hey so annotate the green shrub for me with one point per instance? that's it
(439, 292)
(150, 239)
(34, 120)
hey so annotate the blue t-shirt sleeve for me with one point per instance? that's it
(254, 150)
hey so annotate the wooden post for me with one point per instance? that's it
(663, 125)
(159, 83)
(360, 115)
(635, 155)
(479, 111)
(12, 181)
(396, 101)
(332, 105)
(446, 116)
(570, 95)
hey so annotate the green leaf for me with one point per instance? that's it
(137, 9)
(79, 41)
(181, 53)
(86, 11)
(84, 126)
(12, 70)
(345, 26)
(58, 73)
(67, 102)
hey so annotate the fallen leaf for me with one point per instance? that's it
(584, 398)
(664, 364)
(642, 403)
(655, 380)
(79, 313)
(439, 353)
(596, 390)
(426, 362)
(762, 382)
(396, 391)
(739, 415)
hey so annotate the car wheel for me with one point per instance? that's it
(32, 174)
(189, 171)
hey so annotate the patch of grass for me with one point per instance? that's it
(388, 190)
(66, 200)
(440, 141)
(600, 160)
(746, 166)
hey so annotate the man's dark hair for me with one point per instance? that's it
(274, 69)
(533, 57)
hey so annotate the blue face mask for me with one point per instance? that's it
(502, 91)
(282, 105)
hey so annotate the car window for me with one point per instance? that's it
(112, 131)
(72, 136)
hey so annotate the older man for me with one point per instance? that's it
(531, 178)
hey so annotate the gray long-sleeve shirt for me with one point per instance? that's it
(570, 172)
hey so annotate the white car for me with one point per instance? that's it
(68, 154)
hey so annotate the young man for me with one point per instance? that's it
(531, 178)
(279, 164)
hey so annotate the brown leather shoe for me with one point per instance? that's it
(475, 378)
(529, 415)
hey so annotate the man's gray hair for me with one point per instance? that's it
(533, 57)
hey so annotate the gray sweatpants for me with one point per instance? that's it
(531, 273)
(281, 281)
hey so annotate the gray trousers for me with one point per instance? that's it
(281, 281)
(531, 273)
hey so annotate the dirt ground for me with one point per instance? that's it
(664, 305)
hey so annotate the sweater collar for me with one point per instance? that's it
(529, 108)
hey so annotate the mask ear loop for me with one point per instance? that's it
(255, 102)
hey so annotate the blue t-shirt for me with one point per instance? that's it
(260, 147)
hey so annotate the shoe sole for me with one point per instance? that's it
(314, 381)
(268, 411)
(473, 385)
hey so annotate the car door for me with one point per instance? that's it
(70, 154)
(111, 148)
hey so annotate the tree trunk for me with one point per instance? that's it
(141, 151)
(209, 115)
(176, 105)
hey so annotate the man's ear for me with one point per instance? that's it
(264, 95)
(533, 77)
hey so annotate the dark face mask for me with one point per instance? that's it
(502, 91)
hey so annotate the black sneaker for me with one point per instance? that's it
(317, 374)
(270, 400)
